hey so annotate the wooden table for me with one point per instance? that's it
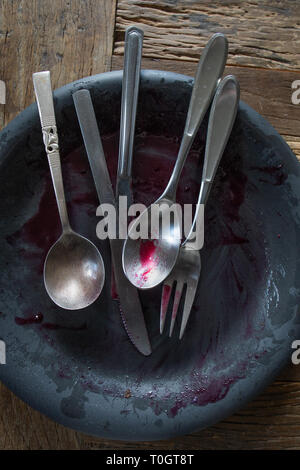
(77, 38)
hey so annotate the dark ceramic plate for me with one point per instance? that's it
(79, 368)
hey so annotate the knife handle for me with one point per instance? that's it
(93, 145)
(130, 88)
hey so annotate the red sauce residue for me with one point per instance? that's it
(201, 395)
(276, 173)
(230, 238)
(147, 251)
(153, 162)
(147, 259)
(113, 287)
(236, 195)
(36, 318)
(166, 292)
(176, 303)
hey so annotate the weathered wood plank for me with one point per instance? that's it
(71, 39)
(23, 428)
(74, 39)
(267, 91)
(262, 33)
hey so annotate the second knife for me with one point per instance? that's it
(131, 309)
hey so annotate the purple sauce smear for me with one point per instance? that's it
(153, 162)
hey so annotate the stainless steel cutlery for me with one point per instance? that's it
(130, 306)
(188, 265)
(146, 275)
(74, 271)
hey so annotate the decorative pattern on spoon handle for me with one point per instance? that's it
(50, 138)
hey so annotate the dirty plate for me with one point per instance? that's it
(79, 368)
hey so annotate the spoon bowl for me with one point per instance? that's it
(73, 272)
(147, 260)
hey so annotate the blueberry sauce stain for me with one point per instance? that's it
(166, 293)
(34, 319)
(148, 260)
(276, 174)
(147, 252)
(113, 286)
(154, 158)
(236, 185)
(38, 318)
(230, 238)
(200, 396)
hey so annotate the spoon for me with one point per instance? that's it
(147, 262)
(187, 269)
(74, 270)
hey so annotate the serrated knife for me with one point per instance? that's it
(130, 306)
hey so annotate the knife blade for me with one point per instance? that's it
(130, 306)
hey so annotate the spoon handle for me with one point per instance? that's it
(221, 119)
(130, 88)
(44, 98)
(210, 69)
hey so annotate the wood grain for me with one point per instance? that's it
(72, 39)
(267, 91)
(22, 428)
(264, 33)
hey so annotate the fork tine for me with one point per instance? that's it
(188, 303)
(178, 292)
(165, 297)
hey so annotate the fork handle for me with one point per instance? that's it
(222, 116)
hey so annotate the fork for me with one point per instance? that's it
(188, 265)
